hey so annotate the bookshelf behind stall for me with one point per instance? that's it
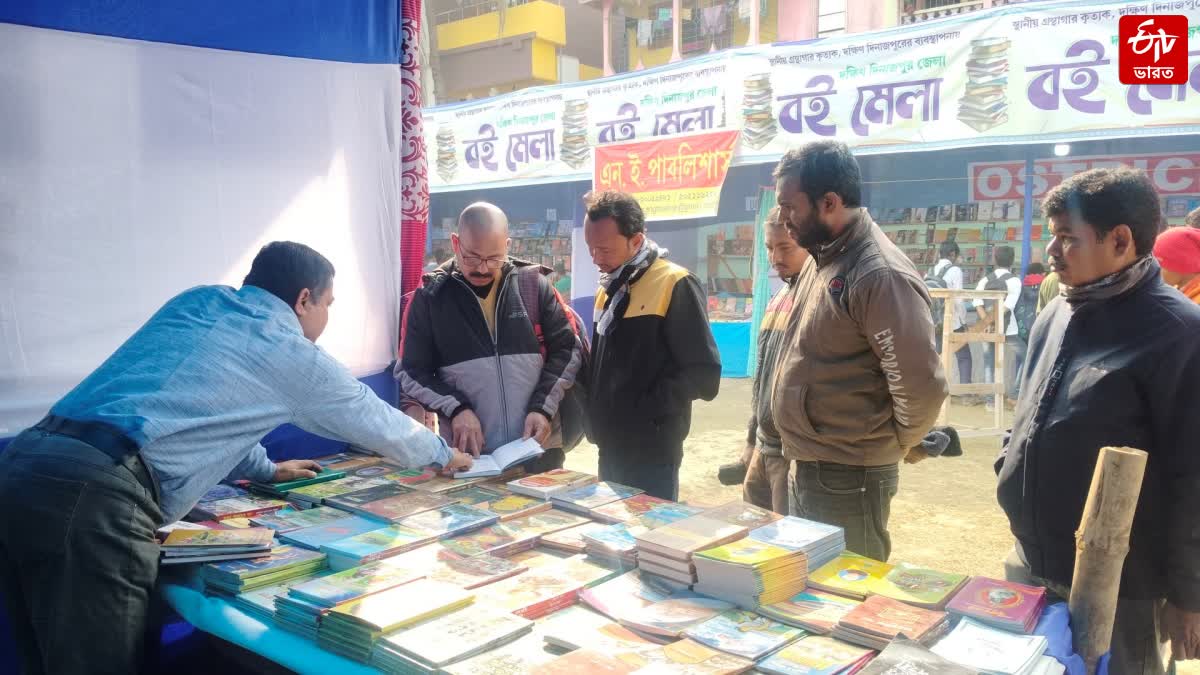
(728, 252)
(545, 243)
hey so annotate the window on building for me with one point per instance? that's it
(831, 17)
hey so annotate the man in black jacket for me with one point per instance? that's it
(471, 354)
(1115, 361)
(653, 353)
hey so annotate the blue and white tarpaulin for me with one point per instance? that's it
(150, 146)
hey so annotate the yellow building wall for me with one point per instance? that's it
(545, 61)
(767, 32)
(587, 72)
(547, 20)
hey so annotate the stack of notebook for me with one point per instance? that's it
(585, 498)
(906, 656)
(193, 546)
(817, 655)
(991, 651)
(879, 620)
(749, 573)
(447, 639)
(743, 514)
(667, 551)
(850, 574)
(281, 489)
(744, 634)
(814, 611)
(353, 628)
(284, 562)
(1001, 604)
(326, 592)
(820, 543)
(613, 545)
(920, 586)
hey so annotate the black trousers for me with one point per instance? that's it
(78, 557)
(855, 498)
(659, 477)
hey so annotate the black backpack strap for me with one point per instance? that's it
(528, 287)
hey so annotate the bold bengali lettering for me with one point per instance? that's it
(882, 103)
(481, 150)
(793, 117)
(622, 128)
(1046, 90)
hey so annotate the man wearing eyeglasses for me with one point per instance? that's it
(471, 353)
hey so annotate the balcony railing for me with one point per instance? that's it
(945, 10)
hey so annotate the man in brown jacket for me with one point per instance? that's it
(859, 381)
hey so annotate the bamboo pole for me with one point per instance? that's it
(1101, 544)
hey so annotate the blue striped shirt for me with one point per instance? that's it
(214, 371)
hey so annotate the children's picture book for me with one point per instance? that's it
(319, 535)
(919, 586)
(811, 610)
(628, 510)
(550, 483)
(449, 520)
(816, 655)
(850, 574)
(587, 497)
(286, 520)
(744, 634)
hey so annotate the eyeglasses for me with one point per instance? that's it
(477, 262)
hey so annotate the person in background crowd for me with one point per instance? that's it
(859, 382)
(431, 263)
(562, 281)
(1192, 219)
(1178, 252)
(1048, 290)
(950, 274)
(180, 406)
(1035, 274)
(766, 483)
(1001, 278)
(471, 355)
(1114, 362)
(653, 353)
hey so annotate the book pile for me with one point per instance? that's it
(879, 620)
(991, 651)
(984, 104)
(744, 634)
(241, 506)
(472, 573)
(545, 589)
(1002, 604)
(500, 539)
(499, 501)
(571, 540)
(352, 629)
(906, 656)
(578, 627)
(614, 545)
(585, 498)
(447, 639)
(742, 514)
(260, 602)
(355, 480)
(850, 574)
(282, 564)
(574, 148)
(193, 546)
(290, 519)
(373, 545)
(811, 610)
(667, 551)
(670, 617)
(319, 535)
(920, 586)
(749, 573)
(546, 485)
(348, 461)
(281, 489)
(817, 654)
(389, 502)
(447, 159)
(448, 521)
(759, 126)
(631, 509)
(820, 543)
(622, 596)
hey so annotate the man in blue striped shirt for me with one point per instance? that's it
(180, 406)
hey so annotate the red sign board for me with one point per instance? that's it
(1152, 49)
(1172, 173)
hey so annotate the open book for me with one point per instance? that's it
(502, 458)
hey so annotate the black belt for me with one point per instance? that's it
(107, 439)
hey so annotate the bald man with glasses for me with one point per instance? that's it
(471, 353)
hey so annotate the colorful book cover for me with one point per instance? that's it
(689, 535)
(415, 477)
(522, 656)
(316, 537)
(477, 495)
(222, 491)
(263, 599)
(347, 585)
(322, 491)
(234, 507)
(449, 520)
(747, 552)
(470, 573)
(686, 656)
(816, 655)
(621, 595)
(891, 618)
(589, 661)
(742, 514)
(458, 635)
(628, 510)
(813, 610)
(992, 599)
(286, 520)
(537, 524)
(512, 506)
(282, 557)
(667, 514)
(401, 606)
(619, 538)
(258, 536)
(680, 611)
(359, 498)
(850, 574)
(401, 506)
(532, 594)
(578, 627)
(796, 534)
(743, 633)
(380, 469)
(377, 543)
(322, 477)
(919, 586)
(571, 539)
(492, 539)
(550, 482)
(347, 461)
(597, 494)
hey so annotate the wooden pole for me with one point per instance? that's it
(1101, 544)
(947, 355)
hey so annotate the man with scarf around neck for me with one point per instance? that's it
(859, 382)
(1113, 362)
(653, 352)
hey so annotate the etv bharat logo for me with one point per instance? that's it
(1153, 49)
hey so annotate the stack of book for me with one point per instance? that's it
(284, 563)
(303, 605)
(814, 611)
(851, 575)
(984, 104)
(571, 540)
(389, 502)
(358, 479)
(319, 535)
(448, 639)
(447, 157)
(667, 551)
(758, 121)
(744, 634)
(499, 501)
(546, 485)
(920, 586)
(449, 521)
(906, 656)
(742, 514)
(578, 627)
(991, 651)
(545, 589)
(1001, 604)
(817, 655)
(574, 149)
(194, 546)
(879, 620)
(538, 524)
(681, 610)
(749, 573)
(585, 498)
(260, 602)
(373, 545)
(614, 545)
(631, 509)
(472, 573)
(290, 519)
(281, 489)
(499, 540)
(820, 543)
(243, 506)
(624, 595)
(353, 628)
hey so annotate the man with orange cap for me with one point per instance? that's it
(1178, 253)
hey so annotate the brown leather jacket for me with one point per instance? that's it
(859, 379)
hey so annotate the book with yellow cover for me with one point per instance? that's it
(919, 586)
(851, 575)
(400, 607)
(748, 552)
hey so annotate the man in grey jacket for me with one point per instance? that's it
(859, 381)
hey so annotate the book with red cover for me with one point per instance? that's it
(393, 509)
(879, 620)
(1002, 604)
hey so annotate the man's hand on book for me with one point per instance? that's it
(459, 461)
(467, 432)
(295, 469)
(537, 427)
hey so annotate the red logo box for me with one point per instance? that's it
(1153, 49)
